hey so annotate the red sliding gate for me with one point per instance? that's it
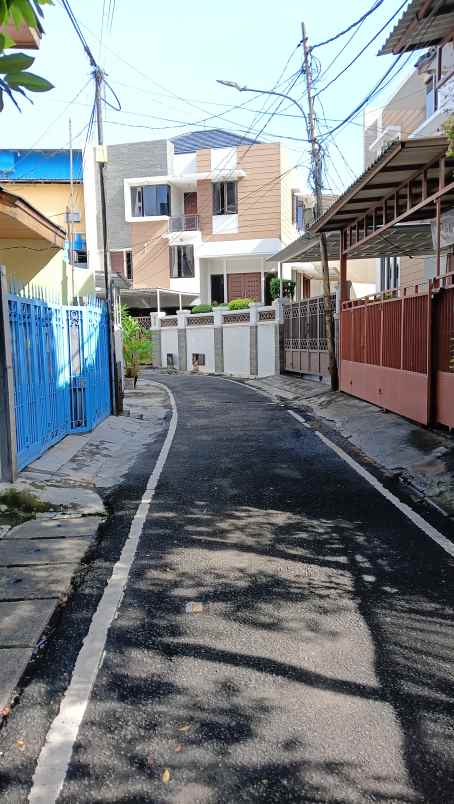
(397, 351)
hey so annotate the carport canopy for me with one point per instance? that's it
(390, 207)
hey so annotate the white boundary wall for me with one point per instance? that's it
(241, 343)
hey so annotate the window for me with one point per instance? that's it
(198, 360)
(128, 264)
(431, 97)
(298, 211)
(150, 201)
(389, 273)
(225, 200)
(181, 262)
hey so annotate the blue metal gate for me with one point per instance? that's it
(61, 371)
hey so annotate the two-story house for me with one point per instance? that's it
(193, 218)
(419, 108)
(42, 177)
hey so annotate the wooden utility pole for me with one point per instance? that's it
(317, 162)
(113, 370)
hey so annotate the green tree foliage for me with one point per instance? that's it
(15, 77)
(288, 287)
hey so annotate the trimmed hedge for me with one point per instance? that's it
(240, 304)
(202, 308)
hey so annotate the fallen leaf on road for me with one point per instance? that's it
(184, 727)
(178, 749)
(5, 712)
(166, 776)
(150, 761)
(194, 607)
(20, 745)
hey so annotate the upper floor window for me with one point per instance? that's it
(181, 262)
(150, 201)
(298, 211)
(225, 198)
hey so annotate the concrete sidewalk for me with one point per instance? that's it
(40, 558)
(421, 459)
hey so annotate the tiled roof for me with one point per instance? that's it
(209, 138)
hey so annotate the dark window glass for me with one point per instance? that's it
(298, 211)
(225, 201)
(136, 202)
(150, 201)
(129, 265)
(181, 262)
(231, 203)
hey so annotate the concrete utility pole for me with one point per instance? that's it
(317, 161)
(113, 370)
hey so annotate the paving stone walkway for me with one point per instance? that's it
(40, 558)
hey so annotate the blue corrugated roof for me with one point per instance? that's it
(211, 138)
(39, 164)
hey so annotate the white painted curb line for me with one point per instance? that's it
(56, 753)
(405, 509)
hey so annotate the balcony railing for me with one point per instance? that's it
(184, 223)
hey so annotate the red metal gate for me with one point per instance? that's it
(385, 343)
(397, 351)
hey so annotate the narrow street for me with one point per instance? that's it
(319, 665)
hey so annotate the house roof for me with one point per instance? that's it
(211, 138)
(421, 25)
(19, 220)
(392, 170)
(39, 165)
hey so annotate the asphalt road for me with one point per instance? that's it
(319, 667)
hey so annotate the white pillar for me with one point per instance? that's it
(179, 299)
(262, 280)
(226, 298)
(158, 300)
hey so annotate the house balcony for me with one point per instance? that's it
(183, 223)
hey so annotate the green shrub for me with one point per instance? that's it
(136, 343)
(288, 287)
(202, 308)
(240, 304)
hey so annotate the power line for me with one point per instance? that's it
(373, 8)
(363, 49)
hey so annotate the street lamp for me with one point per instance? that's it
(235, 85)
(318, 167)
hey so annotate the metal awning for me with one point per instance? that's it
(423, 24)
(147, 298)
(406, 240)
(412, 182)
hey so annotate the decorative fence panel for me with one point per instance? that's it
(305, 343)
(61, 371)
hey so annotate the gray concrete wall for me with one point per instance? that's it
(129, 161)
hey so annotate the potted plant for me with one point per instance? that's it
(136, 347)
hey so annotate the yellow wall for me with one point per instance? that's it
(30, 262)
(51, 199)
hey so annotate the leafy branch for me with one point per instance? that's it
(15, 77)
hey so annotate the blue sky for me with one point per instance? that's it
(163, 60)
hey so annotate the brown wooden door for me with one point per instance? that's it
(244, 286)
(190, 203)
